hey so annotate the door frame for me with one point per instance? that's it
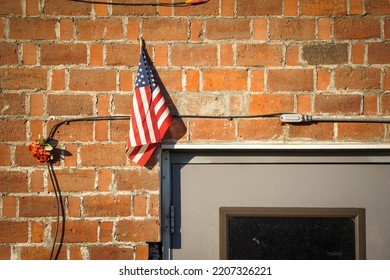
(210, 155)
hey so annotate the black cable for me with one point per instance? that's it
(176, 4)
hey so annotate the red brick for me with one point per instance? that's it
(57, 54)
(105, 233)
(110, 253)
(386, 82)
(5, 159)
(134, 10)
(141, 252)
(325, 54)
(323, 7)
(122, 104)
(290, 79)
(193, 55)
(227, 9)
(259, 7)
(260, 29)
(38, 206)
(8, 53)
(316, 131)
(171, 80)
(270, 103)
(339, 104)
(164, 29)
(292, 29)
(225, 29)
(65, 7)
(9, 207)
(370, 107)
(75, 131)
(379, 53)
(101, 10)
(32, 28)
(37, 232)
(357, 78)
(1, 28)
(324, 28)
(154, 205)
(105, 180)
(259, 129)
(75, 253)
(78, 231)
(138, 230)
(37, 184)
(211, 8)
(177, 131)
(357, 28)
(229, 79)
(35, 253)
(259, 55)
(23, 156)
(23, 78)
(160, 55)
(217, 130)
(385, 104)
(99, 29)
(292, 55)
(92, 80)
(66, 29)
(96, 55)
(119, 130)
(192, 80)
(133, 180)
(58, 79)
(126, 80)
(196, 30)
(64, 104)
(5, 252)
(357, 53)
(13, 232)
(360, 131)
(74, 207)
(29, 54)
(377, 7)
(12, 104)
(202, 105)
(12, 130)
(165, 10)
(304, 104)
(106, 206)
(75, 180)
(36, 128)
(11, 7)
(257, 80)
(132, 29)
(323, 79)
(356, 7)
(139, 202)
(32, 8)
(103, 155)
(70, 156)
(290, 7)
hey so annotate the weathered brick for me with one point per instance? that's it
(107, 206)
(23, 155)
(11, 7)
(92, 80)
(292, 29)
(138, 230)
(122, 104)
(257, 80)
(75, 180)
(9, 207)
(377, 7)
(192, 80)
(64, 104)
(357, 78)
(357, 53)
(229, 79)
(224, 29)
(304, 102)
(139, 205)
(131, 180)
(378, 53)
(35, 253)
(134, 10)
(211, 8)
(8, 53)
(119, 130)
(58, 79)
(259, 7)
(12, 104)
(78, 231)
(37, 232)
(29, 54)
(202, 105)
(103, 155)
(5, 151)
(165, 29)
(323, 7)
(23, 78)
(290, 79)
(67, 8)
(360, 131)
(98, 29)
(32, 28)
(323, 79)
(270, 103)
(5, 252)
(105, 233)
(370, 106)
(385, 104)
(259, 55)
(340, 104)
(325, 54)
(66, 29)
(357, 28)
(316, 131)
(57, 54)
(194, 55)
(38, 206)
(324, 28)
(110, 253)
(260, 29)
(13, 232)
(12, 130)
(292, 55)
(142, 252)
(217, 130)
(269, 129)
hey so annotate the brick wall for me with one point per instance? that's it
(62, 59)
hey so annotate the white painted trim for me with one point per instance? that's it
(282, 146)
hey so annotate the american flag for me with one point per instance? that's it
(150, 115)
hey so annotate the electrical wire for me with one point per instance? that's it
(175, 4)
